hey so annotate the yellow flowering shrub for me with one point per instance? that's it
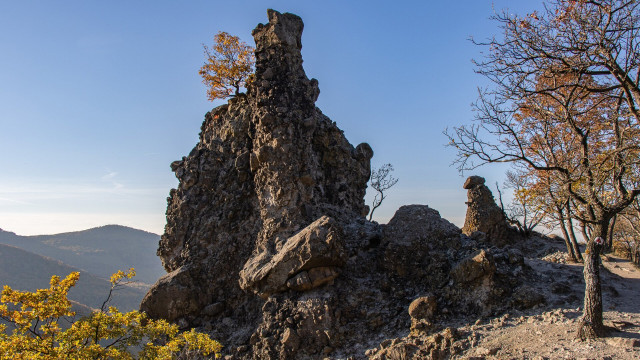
(34, 328)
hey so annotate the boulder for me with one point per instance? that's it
(309, 259)
(318, 276)
(422, 311)
(414, 240)
(172, 296)
(474, 268)
(526, 297)
(437, 346)
(473, 181)
(423, 308)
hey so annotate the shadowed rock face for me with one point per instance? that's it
(266, 244)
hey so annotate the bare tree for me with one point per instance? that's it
(524, 211)
(558, 214)
(572, 232)
(538, 201)
(570, 241)
(565, 101)
(624, 235)
(381, 181)
(635, 254)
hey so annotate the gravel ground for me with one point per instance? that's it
(546, 333)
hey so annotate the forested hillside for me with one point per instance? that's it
(100, 251)
(26, 271)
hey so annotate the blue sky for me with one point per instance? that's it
(97, 98)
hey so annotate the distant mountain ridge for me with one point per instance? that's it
(100, 251)
(25, 271)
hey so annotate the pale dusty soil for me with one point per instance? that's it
(549, 332)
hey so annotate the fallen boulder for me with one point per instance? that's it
(307, 260)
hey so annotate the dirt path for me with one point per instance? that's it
(546, 333)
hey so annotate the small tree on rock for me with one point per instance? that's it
(228, 67)
(381, 181)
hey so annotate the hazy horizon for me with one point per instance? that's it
(80, 230)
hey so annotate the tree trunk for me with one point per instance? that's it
(635, 253)
(609, 239)
(583, 228)
(574, 241)
(591, 325)
(570, 251)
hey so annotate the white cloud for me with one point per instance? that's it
(110, 175)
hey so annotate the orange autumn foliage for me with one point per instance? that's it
(228, 67)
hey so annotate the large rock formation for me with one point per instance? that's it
(266, 244)
(267, 165)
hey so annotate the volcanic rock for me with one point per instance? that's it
(473, 181)
(314, 252)
(173, 296)
(526, 297)
(473, 268)
(423, 307)
(485, 220)
(422, 311)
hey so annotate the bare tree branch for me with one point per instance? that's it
(381, 181)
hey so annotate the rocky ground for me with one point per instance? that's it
(551, 333)
(546, 331)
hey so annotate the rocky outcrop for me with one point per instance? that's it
(485, 220)
(266, 244)
(420, 246)
(268, 164)
(173, 296)
(439, 346)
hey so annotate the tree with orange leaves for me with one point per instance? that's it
(565, 101)
(228, 67)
